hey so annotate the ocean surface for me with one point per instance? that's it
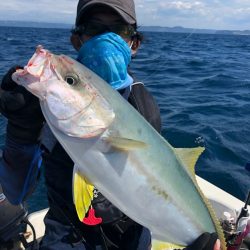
(201, 83)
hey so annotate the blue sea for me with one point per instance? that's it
(200, 81)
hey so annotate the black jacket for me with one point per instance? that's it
(59, 170)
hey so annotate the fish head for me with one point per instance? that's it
(68, 99)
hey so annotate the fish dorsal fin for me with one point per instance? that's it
(189, 157)
(83, 192)
(161, 245)
(125, 144)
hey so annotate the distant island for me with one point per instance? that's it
(35, 24)
(177, 29)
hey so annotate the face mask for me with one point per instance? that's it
(108, 55)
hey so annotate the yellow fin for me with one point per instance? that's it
(83, 192)
(189, 157)
(124, 143)
(161, 245)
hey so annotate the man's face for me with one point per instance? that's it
(102, 15)
(99, 14)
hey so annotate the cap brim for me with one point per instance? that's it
(126, 17)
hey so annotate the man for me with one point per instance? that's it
(110, 228)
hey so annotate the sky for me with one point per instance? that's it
(206, 14)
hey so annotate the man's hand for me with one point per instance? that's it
(21, 108)
(206, 241)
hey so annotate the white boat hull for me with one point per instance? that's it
(221, 201)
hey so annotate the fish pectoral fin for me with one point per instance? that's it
(83, 192)
(161, 245)
(125, 144)
(189, 157)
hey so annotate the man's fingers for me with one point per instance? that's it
(217, 245)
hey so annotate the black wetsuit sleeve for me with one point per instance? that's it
(144, 102)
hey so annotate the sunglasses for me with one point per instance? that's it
(96, 28)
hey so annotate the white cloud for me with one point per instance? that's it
(180, 5)
(219, 14)
(43, 10)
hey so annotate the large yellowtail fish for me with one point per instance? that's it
(118, 151)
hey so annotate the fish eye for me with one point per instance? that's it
(72, 79)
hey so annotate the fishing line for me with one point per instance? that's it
(178, 45)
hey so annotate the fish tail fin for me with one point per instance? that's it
(83, 192)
